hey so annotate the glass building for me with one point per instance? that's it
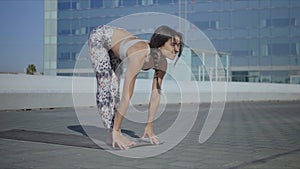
(257, 41)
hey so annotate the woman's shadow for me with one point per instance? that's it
(97, 132)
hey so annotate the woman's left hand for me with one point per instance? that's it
(149, 132)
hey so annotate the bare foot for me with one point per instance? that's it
(121, 141)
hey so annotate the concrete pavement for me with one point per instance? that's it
(250, 135)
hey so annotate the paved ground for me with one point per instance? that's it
(251, 135)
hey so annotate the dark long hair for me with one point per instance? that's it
(161, 35)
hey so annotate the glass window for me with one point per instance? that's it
(264, 14)
(213, 35)
(217, 44)
(254, 46)
(75, 26)
(239, 60)
(254, 4)
(294, 3)
(64, 5)
(253, 19)
(96, 3)
(280, 3)
(74, 5)
(215, 5)
(204, 25)
(253, 76)
(239, 44)
(64, 56)
(83, 4)
(295, 79)
(265, 4)
(280, 52)
(253, 60)
(280, 76)
(203, 6)
(74, 56)
(240, 33)
(166, 1)
(281, 49)
(293, 22)
(214, 25)
(94, 22)
(225, 45)
(280, 32)
(75, 50)
(64, 74)
(253, 33)
(280, 60)
(145, 2)
(277, 22)
(64, 52)
(111, 3)
(226, 33)
(224, 58)
(242, 53)
(240, 19)
(240, 76)
(265, 60)
(295, 60)
(239, 5)
(129, 2)
(66, 64)
(64, 27)
(226, 5)
(265, 32)
(92, 28)
(280, 13)
(225, 20)
(65, 32)
(294, 50)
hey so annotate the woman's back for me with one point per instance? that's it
(124, 43)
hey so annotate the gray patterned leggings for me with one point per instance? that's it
(105, 65)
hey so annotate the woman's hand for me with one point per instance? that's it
(149, 132)
(121, 141)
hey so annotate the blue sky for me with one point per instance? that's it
(21, 34)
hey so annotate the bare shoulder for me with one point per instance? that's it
(140, 48)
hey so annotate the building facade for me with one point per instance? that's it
(260, 40)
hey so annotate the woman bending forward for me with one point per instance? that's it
(108, 46)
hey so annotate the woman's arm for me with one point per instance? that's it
(135, 63)
(155, 95)
(153, 105)
(136, 58)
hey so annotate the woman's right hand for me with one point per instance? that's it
(149, 132)
(121, 141)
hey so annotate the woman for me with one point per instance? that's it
(108, 46)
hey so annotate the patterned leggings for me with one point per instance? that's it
(106, 67)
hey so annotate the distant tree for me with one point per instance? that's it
(31, 69)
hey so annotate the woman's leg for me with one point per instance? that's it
(98, 49)
(115, 63)
(104, 64)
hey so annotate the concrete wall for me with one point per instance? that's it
(30, 92)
